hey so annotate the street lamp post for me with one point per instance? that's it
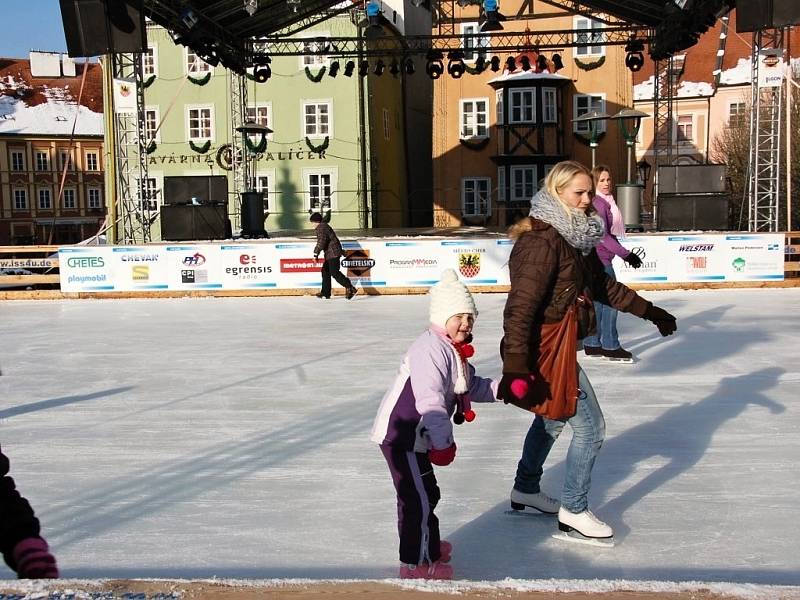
(630, 120)
(592, 119)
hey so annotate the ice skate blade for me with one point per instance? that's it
(629, 361)
(577, 538)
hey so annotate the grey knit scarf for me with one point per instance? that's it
(580, 230)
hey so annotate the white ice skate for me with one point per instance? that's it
(584, 528)
(540, 501)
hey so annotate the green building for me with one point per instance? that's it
(338, 138)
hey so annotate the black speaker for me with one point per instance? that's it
(95, 27)
(683, 212)
(188, 222)
(253, 215)
(207, 189)
(692, 179)
(753, 15)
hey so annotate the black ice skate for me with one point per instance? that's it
(618, 355)
(583, 528)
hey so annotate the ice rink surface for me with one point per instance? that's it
(229, 437)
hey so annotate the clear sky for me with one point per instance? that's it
(31, 25)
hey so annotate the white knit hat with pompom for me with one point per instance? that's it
(450, 297)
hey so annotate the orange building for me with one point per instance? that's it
(497, 133)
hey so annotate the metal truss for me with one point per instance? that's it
(348, 47)
(134, 206)
(667, 73)
(765, 138)
(240, 157)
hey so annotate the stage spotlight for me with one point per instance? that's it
(541, 63)
(526, 62)
(558, 64)
(349, 67)
(394, 68)
(490, 17)
(480, 64)
(634, 59)
(380, 66)
(435, 66)
(511, 64)
(495, 62)
(334, 70)
(455, 64)
(374, 14)
(409, 66)
(363, 68)
(261, 70)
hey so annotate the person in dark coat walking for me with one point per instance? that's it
(24, 550)
(331, 248)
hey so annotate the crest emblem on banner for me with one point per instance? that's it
(469, 264)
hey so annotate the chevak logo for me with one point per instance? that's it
(469, 264)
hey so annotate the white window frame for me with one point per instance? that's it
(333, 173)
(261, 114)
(21, 155)
(188, 115)
(156, 198)
(197, 67)
(590, 25)
(470, 120)
(89, 203)
(583, 126)
(549, 105)
(156, 112)
(42, 156)
(267, 177)
(741, 110)
(150, 61)
(679, 137)
(482, 43)
(96, 155)
(487, 184)
(74, 193)
(516, 93)
(310, 45)
(498, 105)
(317, 103)
(62, 152)
(20, 198)
(523, 195)
(41, 192)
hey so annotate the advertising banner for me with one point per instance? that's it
(398, 263)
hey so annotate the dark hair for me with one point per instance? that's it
(316, 218)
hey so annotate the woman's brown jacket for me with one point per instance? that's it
(547, 275)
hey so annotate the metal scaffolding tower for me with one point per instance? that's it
(240, 157)
(765, 135)
(132, 196)
(667, 73)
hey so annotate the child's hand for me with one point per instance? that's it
(514, 384)
(33, 559)
(442, 457)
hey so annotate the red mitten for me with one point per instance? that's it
(33, 560)
(442, 457)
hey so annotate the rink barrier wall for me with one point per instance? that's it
(379, 266)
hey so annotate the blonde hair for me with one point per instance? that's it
(599, 170)
(557, 179)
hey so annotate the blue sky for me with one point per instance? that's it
(31, 25)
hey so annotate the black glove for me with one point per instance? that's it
(663, 320)
(513, 387)
(633, 260)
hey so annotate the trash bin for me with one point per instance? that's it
(629, 201)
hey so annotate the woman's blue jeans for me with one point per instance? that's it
(588, 432)
(606, 336)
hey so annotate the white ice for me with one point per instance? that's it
(228, 437)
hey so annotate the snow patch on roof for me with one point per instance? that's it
(738, 75)
(54, 117)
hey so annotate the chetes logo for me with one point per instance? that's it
(140, 272)
(696, 248)
(469, 264)
(738, 264)
(86, 262)
(195, 260)
(358, 263)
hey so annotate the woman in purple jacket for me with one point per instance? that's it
(605, 343)
(414, 429)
